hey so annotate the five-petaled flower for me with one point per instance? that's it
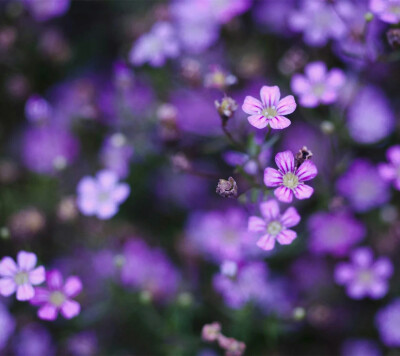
(273, 225)
(57, 296)
(391, 171)
(290, 179)
(20, 276)
(270, 110)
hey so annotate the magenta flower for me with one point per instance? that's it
(290, 179)
(270, 110)
(318, 86)
(21, 276)
(57, 296)
(387, 10)
(364, 277)
(391, 171)
(273, 225)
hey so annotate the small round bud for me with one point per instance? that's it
(299, 313)
(211, 332)
(327, 127)
(119, 261)
(369, 16)
(185, 299)
(229, 268)
(4, 233)
(393, 37)
(303, 155)
(226, 107)
(145, 297)
(227, 188)
(180, 162)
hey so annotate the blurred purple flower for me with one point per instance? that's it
(318, 86)
(102, 195)
(37, 109)
(273, 225)
(387, 10)
(156, 46)
(364, 277)
(43, 10)
(123, 76)
(334, 233)
(391, 171)
(7, 326)
(249, 163)
(387, 321)
(83, 344)
(57, 296)
(290, 179)
(270, 110)
(20, 277)
(360, 347)
(34, 340)
(363, 186)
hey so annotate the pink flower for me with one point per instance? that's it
(21, 276)
(273, 225)
(391, 171)
(270, 109)
(57, 296)
(290, 179)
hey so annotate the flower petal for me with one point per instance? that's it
(266, 242)
(25, 292)
(387, 171)
(72, 286)
(316, 71)
(378, 289)
(383, 267)
(252, 106)
(300, 84)
(7, 286)
(70, 308)
(336, 78)
(284, 194)
(309, 100)
(48, 312)
(87, 186)
(307, 170)
(290, 217)
(286, 237)
(270, 95)
(356, 290)
(393, 155)
(270, 209)
(287, 105)
(107, 179)
(37, 276)
(285, 161)
(54, 279)
(344, 273)
(279, 122)
(106, 210)
(362, 257)
(303, 191)
(258, 121)
(272, 177)
(256, 224)
(41, 296)
(8, 267)
(121, 192)
(26, 260)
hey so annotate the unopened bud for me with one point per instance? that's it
(303, 155)
(185, 299)
(299, 313)
(211, 332)
(145, 297)
(393, 37)
(226, 107)
(180, 162)
(327, 127)
(369, 16)
(119, 261)
(4, 233)
(227, 188)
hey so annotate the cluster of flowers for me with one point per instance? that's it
(212, 332)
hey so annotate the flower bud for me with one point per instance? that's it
(304, 154)
(327, 127)
(393, 37)
(211, 332)
(232, 346)
(227, 188)
(226, 107)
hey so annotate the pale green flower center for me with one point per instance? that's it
(21, 278)
(269, 112)
(57, 298)
(103, 197)
(365, 276)
(319, 89)
(274, 228)
(290, 180)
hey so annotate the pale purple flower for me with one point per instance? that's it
(102, 195)
(360, 347)
(318, 22)
(364, 277)
(270, 110)
(57, 297)
(37, 109)
(20, 276)
(391, 171)
(334, 233)
(387, 10)
(156, 46)
(43, 10)
(387, 320)
(290, 179)
(34, 340)
(363, 186)
(318, 86)
(273, 225)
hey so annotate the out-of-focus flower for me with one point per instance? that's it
(387, 322)
(370, 117)
(219, 78)
(363, 186)
(277, 23)
(102, 195)
(123, 76)
(7, 325)
(232, 346)
(318, 86)
(54, 45)
(211, 332)
(156, 46)
(67, 209)
(37, 109)
(34, 340)
(57, 297)
(318, 22)
(273, 225)
(387, 10)
(27, 222)
(292, 61)
(393, 36)
(20, 277)
(227, 188)
(334, 233)
(290, 179)
(270, 110)
(364, 277)
(360, 347)
(391, 171)
(83, 344)
(226, 107)
(43, 10)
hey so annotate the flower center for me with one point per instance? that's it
(290, 180)
(269, 112)
(365, 276)
(103, 197)
(395, 9)
(274, 228)
(319, 89)
(21, 278)
(57, 298)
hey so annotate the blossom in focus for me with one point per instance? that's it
(290, 179)
(273, 225)
(57, 297)
(20, 276)
(37, 109)
(270, 110)
(318, 86)
(391, 171)
(387, 10)
(364, 277)
(156, 46)
(387, 321)
(363, 186)
(43, 10)
(102, 195)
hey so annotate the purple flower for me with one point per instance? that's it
(387, 321)
(363, 186)
(37, 109)
(20, 277)
(156, 46)
(57, 296)
(318, 21)
(102, 195)
(387, 10)
(270, 109)
(34, 340)
(391, 171)
(290, 179)
(364, 277)
(360, 347)
(43, 10)
(370, 117)
(83, 344)
(334, 233)
(318, 86)
(7, 325)
(273, 225)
